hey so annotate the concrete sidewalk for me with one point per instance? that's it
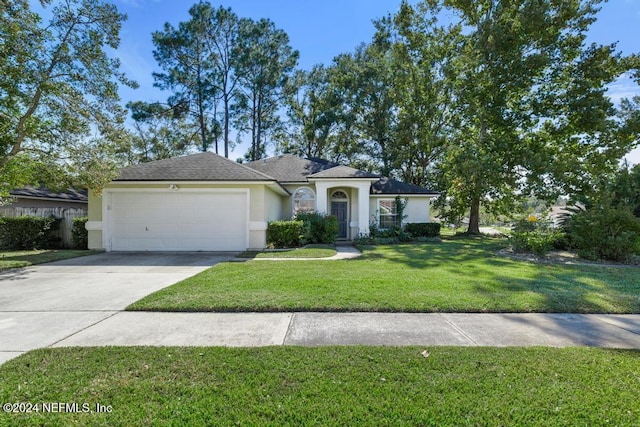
(392, 329)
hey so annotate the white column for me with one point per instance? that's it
(321, 196)
(363, 208)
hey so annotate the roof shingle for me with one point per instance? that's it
(195, 167)
(70, 195)
(391, 186)
(287, 168)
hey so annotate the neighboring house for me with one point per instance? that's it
(38, 201)
(205, 202)
(38, 197)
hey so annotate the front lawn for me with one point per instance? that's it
(459, 275)
(325, 386)
(16, 259)
(309, 251)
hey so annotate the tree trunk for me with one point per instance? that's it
(254, 143)
(203, 130)
(259, 129)
(226, 125)
(216, 134)
(474, 217)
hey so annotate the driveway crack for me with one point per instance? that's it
(83, 329)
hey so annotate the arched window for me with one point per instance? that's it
(304, 200)
(339, 195)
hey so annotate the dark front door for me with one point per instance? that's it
(339, 209)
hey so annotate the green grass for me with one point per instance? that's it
(310, 251)
(328, 386)
(17, 259)
(458, 275)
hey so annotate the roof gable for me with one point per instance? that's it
(344, 172)
(196, 167)
(288, 168)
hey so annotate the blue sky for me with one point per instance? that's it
(320, 30)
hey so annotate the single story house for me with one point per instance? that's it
(205, 202)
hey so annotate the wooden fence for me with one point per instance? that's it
(66, 216)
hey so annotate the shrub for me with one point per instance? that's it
(79, 233)
(284, 234)
(605, 232)
(27, 232)
(536, 237)
(423, 229)
(318, 228)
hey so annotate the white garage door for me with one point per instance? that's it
(171, 221)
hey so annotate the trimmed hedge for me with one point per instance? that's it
(79, 233)
(423, 229)
(284, 234)
(27, 232)
(318, 228)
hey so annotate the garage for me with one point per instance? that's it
(178, 220)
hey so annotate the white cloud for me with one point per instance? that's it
(136, 3)
(624, 87)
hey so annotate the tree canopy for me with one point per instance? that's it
(59, 104)
(488, 101)
(217, 58)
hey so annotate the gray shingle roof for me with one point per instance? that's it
(283, 169)
(195, 167)
(70, 195)
(343, 172)
(287, 168)
(391, 186)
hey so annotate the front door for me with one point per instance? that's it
(339, 209)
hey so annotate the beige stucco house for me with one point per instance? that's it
(205, 202)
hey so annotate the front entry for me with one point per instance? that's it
(339, 209)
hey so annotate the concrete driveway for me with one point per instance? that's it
(44, 304)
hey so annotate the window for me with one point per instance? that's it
(339, 195)
(304, 200)
(387, 213)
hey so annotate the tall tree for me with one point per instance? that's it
(314, 108)
(189, 71)
(222, 43)
(159, 132)
(374, 103)
(420, 52)
(265, 62)
(58, 86)
(531, 100)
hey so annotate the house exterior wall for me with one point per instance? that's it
(418, 208)
(264, 204)
(94, 223)
(273, 205)
(352, 188)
